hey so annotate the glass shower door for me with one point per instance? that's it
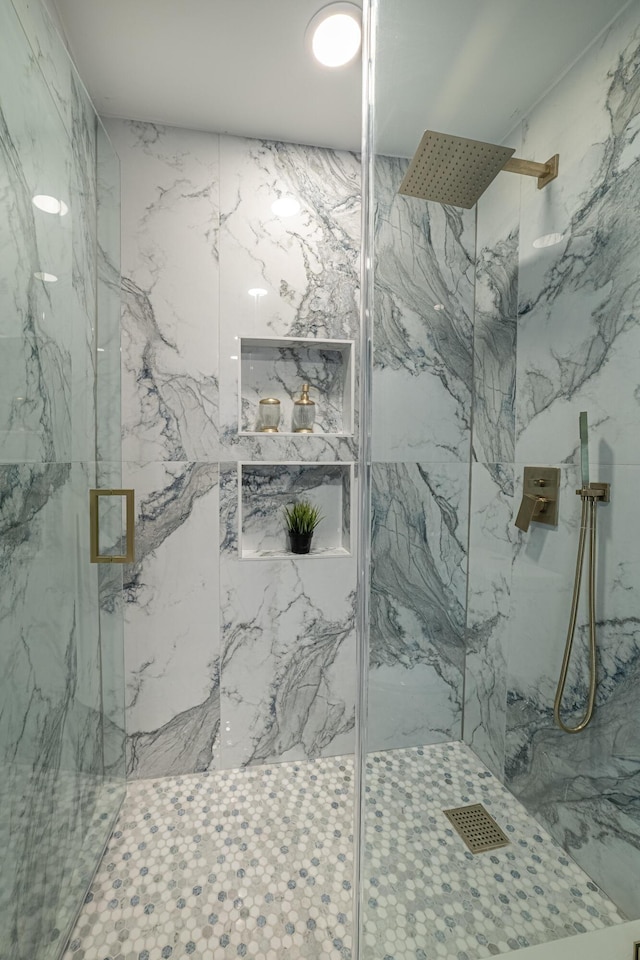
(61, 691)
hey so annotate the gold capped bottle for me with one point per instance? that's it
(304, 412)
(269, 417)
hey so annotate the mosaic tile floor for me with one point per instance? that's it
(258, 863)
(427, 897)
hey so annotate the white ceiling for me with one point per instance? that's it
(469, 67)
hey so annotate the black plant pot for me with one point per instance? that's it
(300, 542)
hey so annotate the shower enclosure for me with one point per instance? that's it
(490, 330)
(282, 800)
(61, 670)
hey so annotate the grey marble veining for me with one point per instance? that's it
(61, 736)
(577, 347)
(197, 222)
(418, 586)
(173, 705)
(287, 651)
(423, 346)
(491, 549)
(581, 294)
(307, 267)
(495, 321)
(277, 371)
(268, 489)
(170, 291)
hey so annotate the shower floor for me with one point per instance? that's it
(258, 863)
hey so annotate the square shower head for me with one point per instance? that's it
(453, 170)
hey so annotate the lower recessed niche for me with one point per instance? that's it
(265, 489)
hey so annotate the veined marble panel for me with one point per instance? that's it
(171, 625)
(579, 332)
(108, 356)
(51, 743)
(83, 201)
(422, 326)
(495, 320)
(288, 651)
(37, 319)
(170, 291)
(492, 538)
(307, 265)
(50, 55)
(584, 787)
(419, 561)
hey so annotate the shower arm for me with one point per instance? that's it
(543, 172)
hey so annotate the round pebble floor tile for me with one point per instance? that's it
(258, 863)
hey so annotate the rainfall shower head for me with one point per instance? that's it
(457, 171)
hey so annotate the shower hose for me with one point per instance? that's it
(589, 505)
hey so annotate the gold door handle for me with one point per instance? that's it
(94, 526)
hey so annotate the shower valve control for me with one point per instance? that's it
(540, 491)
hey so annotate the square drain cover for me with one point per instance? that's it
(477, 828)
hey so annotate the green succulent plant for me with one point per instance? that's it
(302, 517)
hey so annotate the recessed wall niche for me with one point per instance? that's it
(265, 489)
(271, 367)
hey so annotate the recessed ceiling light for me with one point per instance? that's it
(50, 204)
(285, 207)
(438, 306)
(46, 277)
(549, 240)
(258, 292)
(335, 34)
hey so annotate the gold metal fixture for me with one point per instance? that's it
(535, 506)
(477, 828)
(304, 412)
(457, 171)
(269, 415)
(543, 172)
(590, 494)
(94, 526)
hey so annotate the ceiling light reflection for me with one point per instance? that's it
(548, 240)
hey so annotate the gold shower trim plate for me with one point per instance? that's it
(477, 828)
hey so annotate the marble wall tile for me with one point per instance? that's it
(495, 319)
(418, 588)
(576, 349)
(171, 619)
(578, 335)
(423, 325)
(51, 732)
(180, 247)
(307, 265)
(492, 540)
(170, 213)
(37, 325)
(566, 780)
(287, 651)
(50, 55)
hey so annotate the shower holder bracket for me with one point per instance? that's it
(596, 491)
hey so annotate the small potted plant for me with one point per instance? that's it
(301, 519)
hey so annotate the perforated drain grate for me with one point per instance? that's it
(477, 828)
